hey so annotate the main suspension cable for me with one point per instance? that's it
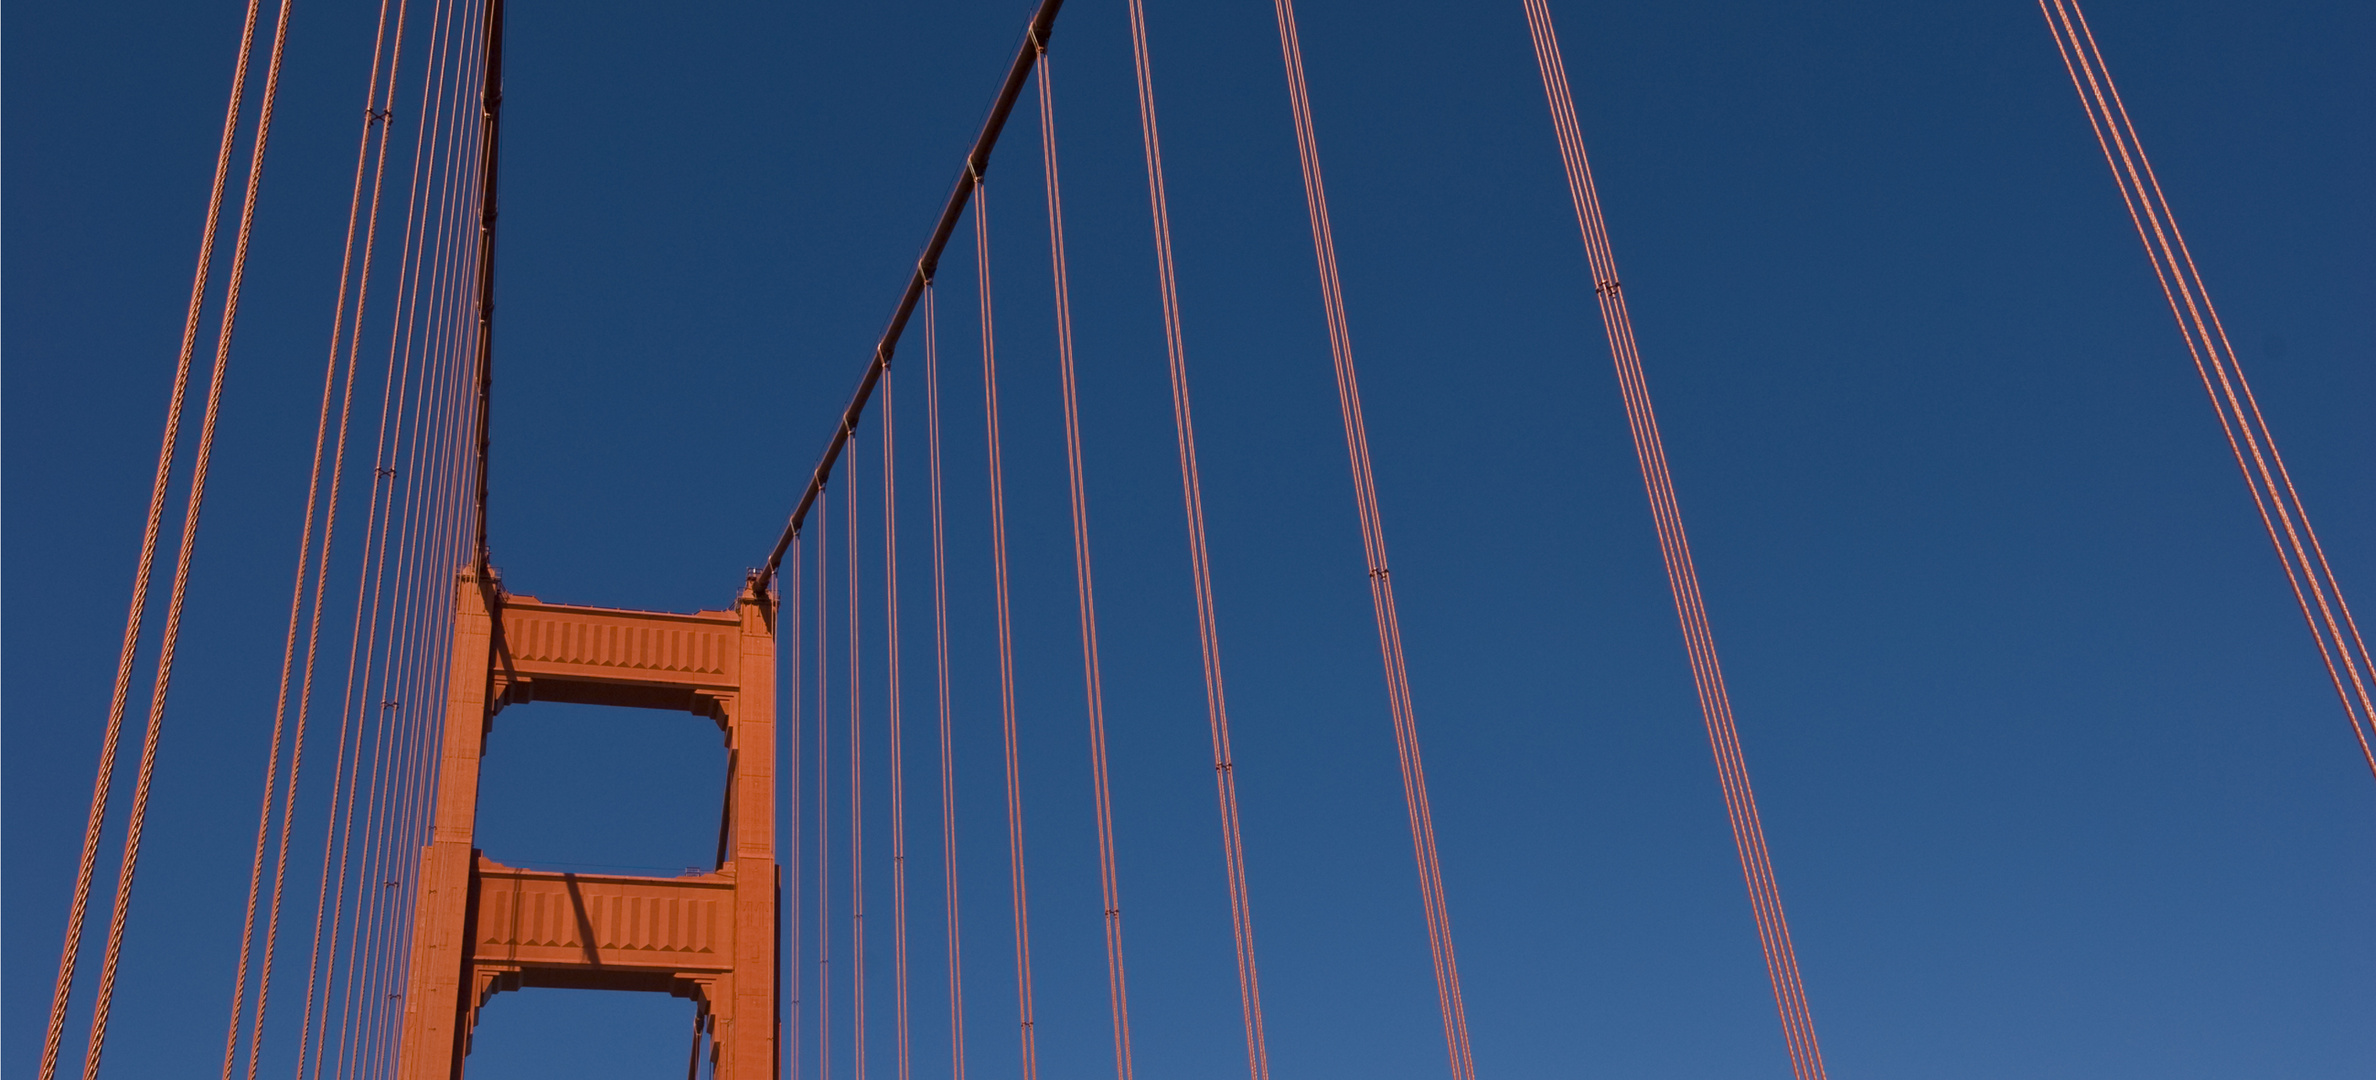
(1373, 535)
(1740, 801)
(977, 162)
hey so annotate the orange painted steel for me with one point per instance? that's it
(1093, 681)
(1373, 541)
(133, 828)
(1006, 642)
(1724, 738)
(899, 913)
(79, 907)
(824, 803)
(480, 927)
(977, 164)
(1208, 631)
(2351, 668)
(940, 639)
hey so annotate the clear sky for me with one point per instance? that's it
(2053, 782)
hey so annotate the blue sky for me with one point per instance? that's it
(2053, 783)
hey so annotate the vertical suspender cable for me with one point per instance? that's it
(940, 642)
(1365, 494)
(1233, 850)
(443, 535)
(428, 251)
(824, 809)
(80, 904)
(792, 770)
(395, 798)
(1117, 985)
(296, 754)
(1006, 643)
(363, 643)
(378, 115)
(427, 481)
(2350, 667)
(171, 635)
(346, 268)
(857, 789)
(891, 705)
(1790, 997)
(321, 570)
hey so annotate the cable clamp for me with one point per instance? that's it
(1605, 288)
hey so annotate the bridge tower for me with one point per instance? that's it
(480, 927)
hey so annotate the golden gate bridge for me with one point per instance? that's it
(408, 928)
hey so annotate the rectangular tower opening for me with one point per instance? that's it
(546, 1034)
(602, 789)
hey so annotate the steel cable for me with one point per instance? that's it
(378, 108)
(1006, 644)
(419, 482)
(79, 905)
(2342, 649)
(431, 255)
(940, 640)
(1233, 850)
(1084, 580)
(792, 772)
(824, 808)
(321, 570)
(891, 704)
(170, 638)
(1398, 687)
(857, 789)
(1682, 577)
(297, 596)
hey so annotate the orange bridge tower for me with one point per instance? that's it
(480, 927)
